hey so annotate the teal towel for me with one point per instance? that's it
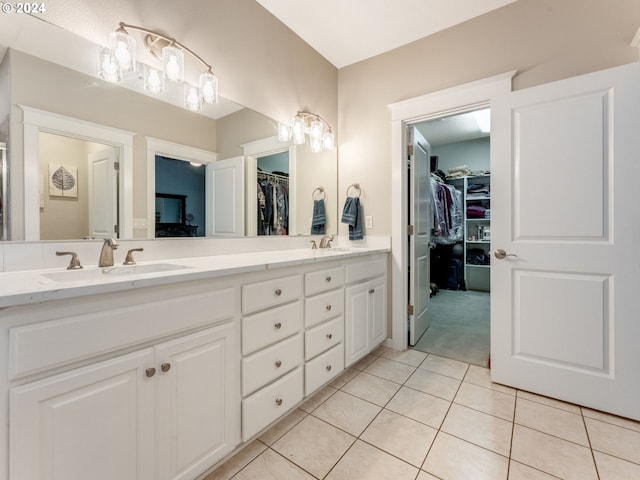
(352, 216)
(319, 218)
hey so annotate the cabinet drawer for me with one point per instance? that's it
(323, 368)
(323, 337)
(268, 404)
(270, 363)
(261, 295)
(323, 307)
(363, 270)
(270, 327)
(323, 280)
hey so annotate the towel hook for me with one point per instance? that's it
(318, 189)
(356, 186)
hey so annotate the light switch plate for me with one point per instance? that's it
(369, 221)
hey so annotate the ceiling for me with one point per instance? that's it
(348, 31)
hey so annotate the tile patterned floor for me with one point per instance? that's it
(414, 416)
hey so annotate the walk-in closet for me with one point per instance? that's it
(273, 194)
(459, 273)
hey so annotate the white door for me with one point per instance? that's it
(565, 168)
(102, 193)
(198, 404)
(420, 218)
(226, 178)
(94, 422)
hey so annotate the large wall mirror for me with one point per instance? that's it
(100, 143)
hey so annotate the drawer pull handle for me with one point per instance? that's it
(150, 372)
(278, 401)
(165, 367)
(372, 290)
(278, 292)
(278, 326)
(278, 363)
(328, 279)
(328, 308)
(328, 368)
(329, 336)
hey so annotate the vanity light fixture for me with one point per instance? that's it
(304, 123)
(119, 58)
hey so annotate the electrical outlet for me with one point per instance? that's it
(139, 223)
(368, 221)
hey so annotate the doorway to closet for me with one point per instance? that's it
(458, 291)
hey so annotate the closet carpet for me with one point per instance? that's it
(459, 326)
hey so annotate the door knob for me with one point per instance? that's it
(501, 254)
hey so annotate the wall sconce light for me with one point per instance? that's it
(308, 124)
(119, 58)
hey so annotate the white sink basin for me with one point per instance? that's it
(97, 273)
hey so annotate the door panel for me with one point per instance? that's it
(563, 306)
(101, 191)
(420, 218)
(227, 181)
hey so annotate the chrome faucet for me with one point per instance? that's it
(106, 254)
(325, 241)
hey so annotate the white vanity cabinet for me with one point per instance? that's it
(324, 326)
(272, 374)
(365, 307)
(140, 385)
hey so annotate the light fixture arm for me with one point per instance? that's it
(313, 116)
(172, 41)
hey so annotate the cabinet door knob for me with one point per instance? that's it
(329, 336)
(278, 363)
(278, 326)
(150, 372)
(278, 292)
(328, 308)
(328, 368)
(372, 290)
(165, 367)
(328, 279)
(278, 401)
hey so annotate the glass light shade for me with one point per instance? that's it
(173, 63)
(316, 129)
(328, 140)
(123, 49)
(153, 80)
(107, 67)
(316, 144)
(208, 87)
(284, 132)
(298, 130)
(192, 98)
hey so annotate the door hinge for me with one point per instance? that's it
(116, 165)
(410, 150)
(116, 229)
(409, 229)
(409, 309)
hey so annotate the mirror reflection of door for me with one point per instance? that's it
(180, 185)
(273, 194)
(78, 188)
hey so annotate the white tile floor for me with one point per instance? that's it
(414, 416)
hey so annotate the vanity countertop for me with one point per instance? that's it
(36, 286)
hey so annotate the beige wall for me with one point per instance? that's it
(544, 40)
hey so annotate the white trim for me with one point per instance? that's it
(636, 40)
(262, 148)
(466, 97)
(36, 121)
(156, 146)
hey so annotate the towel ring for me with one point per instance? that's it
(318, 189)
(356, 186)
